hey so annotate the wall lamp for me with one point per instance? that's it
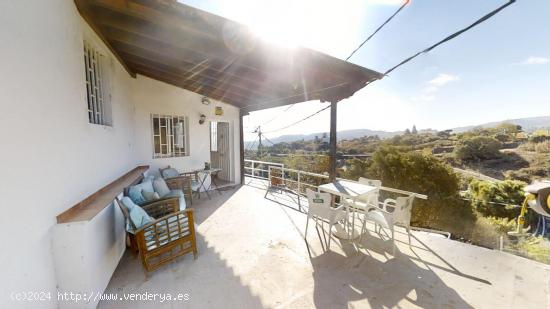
(202, 119)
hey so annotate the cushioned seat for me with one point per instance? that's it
(170, 173)
(177, 193)
(134, 192)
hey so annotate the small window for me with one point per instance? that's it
(213, 136)
(169, 136)
(98, 98)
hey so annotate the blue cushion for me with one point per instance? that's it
(128, 203)
(178, 193)
(148, 178)
(170, 173)
(150, 196)
(138, 216)
(134, 192)
(160, 187)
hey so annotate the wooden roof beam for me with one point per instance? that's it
(176, 24)
(186, 63)
(85, 11)
(223, 84)
(192, 85)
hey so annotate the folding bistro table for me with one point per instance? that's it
(348, 190)
(202, 175)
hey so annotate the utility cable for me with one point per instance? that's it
(378, 29)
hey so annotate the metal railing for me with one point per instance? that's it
(259, 169)
(295, 180)
(298, 180)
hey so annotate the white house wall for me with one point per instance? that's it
(154, 97)
(52, 157)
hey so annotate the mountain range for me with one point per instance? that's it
(528, 124)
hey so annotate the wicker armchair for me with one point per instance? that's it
(171, 235)
(156, 209)
(182, 182)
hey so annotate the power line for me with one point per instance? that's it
(251, 145)
(294, 95)
(267, 139)
(448, 38)
(452, 36)
(378, 29)
(301, 120)
(278, 115)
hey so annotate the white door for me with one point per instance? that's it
(220, 149)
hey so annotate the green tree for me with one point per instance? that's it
(421, 173)
(478, 148)
(497, 199)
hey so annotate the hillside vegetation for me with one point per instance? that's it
(474, 179)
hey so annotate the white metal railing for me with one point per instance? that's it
(291, 178)
(299, 179)
(259, 169)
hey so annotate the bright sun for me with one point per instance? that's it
(319, 24)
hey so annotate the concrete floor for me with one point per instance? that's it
(252, 254)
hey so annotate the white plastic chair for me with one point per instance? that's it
(393, 212)
(372, 198)
(320, 207)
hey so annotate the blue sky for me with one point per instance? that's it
(498, 70)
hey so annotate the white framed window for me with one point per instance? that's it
(170, 136)
(97, 93)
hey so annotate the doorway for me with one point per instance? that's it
(220, 150)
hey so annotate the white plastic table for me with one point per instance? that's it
(351, 190)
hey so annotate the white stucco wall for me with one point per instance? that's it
(51, 157)
(154, 97)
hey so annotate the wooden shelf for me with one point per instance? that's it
(88, 208)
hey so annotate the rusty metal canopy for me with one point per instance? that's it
(216, 57)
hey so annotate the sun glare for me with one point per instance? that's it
(318, 24)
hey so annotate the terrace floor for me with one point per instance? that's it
(252, 254)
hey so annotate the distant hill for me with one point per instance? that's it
(528, 124)
(347, 134)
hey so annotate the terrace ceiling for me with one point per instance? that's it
(216, 57)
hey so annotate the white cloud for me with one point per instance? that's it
(534, 60)
(443, 79)
(433, 86)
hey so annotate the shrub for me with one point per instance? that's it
(478, 148)
(485, 194)
(423, 173)
(543, 147)
(539, 138)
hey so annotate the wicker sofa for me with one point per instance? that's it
(170, 235)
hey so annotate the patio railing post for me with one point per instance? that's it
(299, 185)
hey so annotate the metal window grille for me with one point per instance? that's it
(169, 136)
(96, 86)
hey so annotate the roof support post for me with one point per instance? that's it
(332, 153)
(241, 146)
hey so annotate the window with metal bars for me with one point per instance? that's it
(170, 138)
(97, 95)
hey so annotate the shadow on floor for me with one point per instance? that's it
(208, 281)
(383, 281)
(396, 282)
(205, 207)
